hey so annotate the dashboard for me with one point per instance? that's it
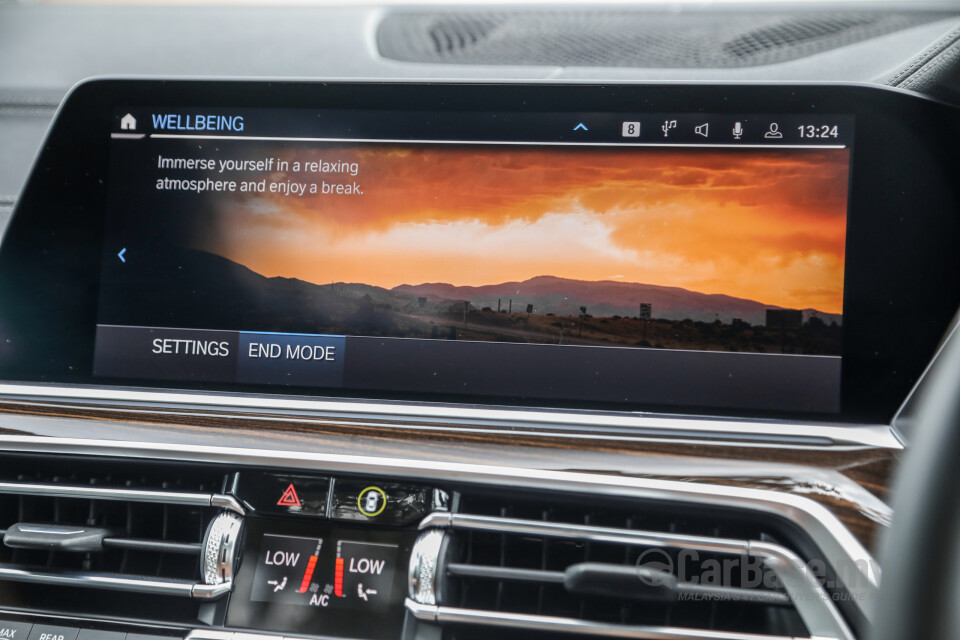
(534, 354)
(209, 242)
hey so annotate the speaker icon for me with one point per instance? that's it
(702, 129)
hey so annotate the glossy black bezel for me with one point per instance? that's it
(901, 284)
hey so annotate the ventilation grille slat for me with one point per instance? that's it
(494, 571)
(152, 543)
(152, 540)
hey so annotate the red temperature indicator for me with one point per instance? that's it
(338, 579)
(308, 574)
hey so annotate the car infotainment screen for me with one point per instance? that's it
(669, 259)
(737, 251)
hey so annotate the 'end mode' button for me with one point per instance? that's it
(291, 359)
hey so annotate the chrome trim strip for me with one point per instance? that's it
(807, 595)
(610, 535)
(452, 615)
(840, 548)
(227, 502)
(118, 582)
(811, 601)
(243, 635)
(211, 591)
(770, 433)
(131, 495)
(210, 634)
(100, 581)
(50, 530)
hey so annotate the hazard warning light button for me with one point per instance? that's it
(289, 497)
(283, 494)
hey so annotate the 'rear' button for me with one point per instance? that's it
(52, 632)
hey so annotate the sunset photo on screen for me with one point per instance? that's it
(612, 247)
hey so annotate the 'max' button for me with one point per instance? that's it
(10, 630)
(51, 632)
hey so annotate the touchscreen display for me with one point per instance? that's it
(662, 260)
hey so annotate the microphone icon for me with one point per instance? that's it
(737, 131)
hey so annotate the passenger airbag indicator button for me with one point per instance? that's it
(372, 501)
(383, 503)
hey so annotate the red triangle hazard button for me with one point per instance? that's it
(289, 498)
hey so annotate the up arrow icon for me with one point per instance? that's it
(581, 127)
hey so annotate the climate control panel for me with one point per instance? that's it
(326, 555)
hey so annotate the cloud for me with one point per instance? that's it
(761, 224)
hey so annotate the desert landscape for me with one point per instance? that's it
(190, 288)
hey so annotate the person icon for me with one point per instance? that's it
(774, 132)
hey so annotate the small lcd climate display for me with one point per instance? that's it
(318, 579)
(290, 571)
(642, 272)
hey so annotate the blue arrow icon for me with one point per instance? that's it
(120, 255)
(581, 127)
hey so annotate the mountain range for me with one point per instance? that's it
(562, 296)
(175, 286)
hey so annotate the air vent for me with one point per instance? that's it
(608, 571)
(139, 534)
(642, 39)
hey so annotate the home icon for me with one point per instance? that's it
(128, 123)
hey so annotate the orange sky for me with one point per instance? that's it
(758, 224)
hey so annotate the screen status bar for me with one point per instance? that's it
(649, 129)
